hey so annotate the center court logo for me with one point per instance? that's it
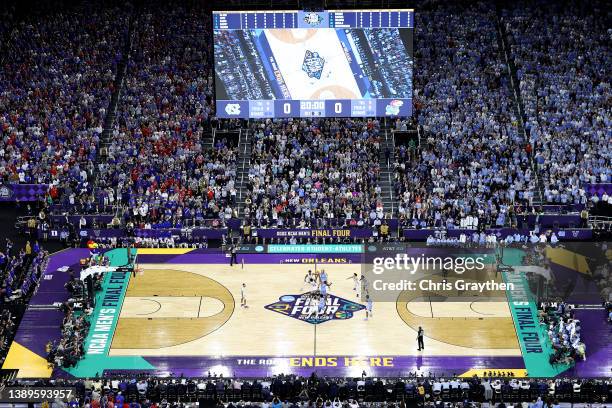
(313, 64)
(301, 307)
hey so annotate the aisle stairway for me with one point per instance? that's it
(111, 111)
(503, 44)
(242, 173)
(386, 168)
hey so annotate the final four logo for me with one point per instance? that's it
(313, 19)
(313, 64)
(302, 307)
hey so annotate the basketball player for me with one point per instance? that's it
(369, 306)
(321, 306)
(309, 281)
(243, 301)
(325, 288)
(355, 279)
(317, 277)
(314, 286)
(364, 285)
(323, 276)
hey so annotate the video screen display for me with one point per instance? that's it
(313, 64)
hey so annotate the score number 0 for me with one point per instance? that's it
(287, 108)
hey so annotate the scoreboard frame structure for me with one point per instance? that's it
(312, 108)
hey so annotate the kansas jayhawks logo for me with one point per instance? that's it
(304, 307)
(313, 64)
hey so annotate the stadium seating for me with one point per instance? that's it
(162, 113)
(563, 62)
(473, 162)
(353, 392)
(151, 158)
(315, 169)
(55, 91)
(20, 273)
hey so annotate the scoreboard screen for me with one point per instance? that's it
(271, 64)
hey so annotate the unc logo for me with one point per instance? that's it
(302, 307)
(313, 19)
(232, 109)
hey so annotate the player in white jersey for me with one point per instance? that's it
(243, 300)
(309, 281)
(317, 276)
(364, 285)
(369, 306)
(355, 279)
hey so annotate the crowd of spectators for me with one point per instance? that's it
(69, 349)
(473, 168)
(309, 169)
(158, 170)
(241, 77)
(54, 93)
(285, 391)
(492, 239)
(563, 332)
(20, 272)
(473, 162)
(7, 20)
(7, 331)
(563, 62)
(167, 241)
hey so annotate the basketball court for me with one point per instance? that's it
(181, 313)
(182, 310)
(185, 309)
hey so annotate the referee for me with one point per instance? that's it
(233, 257)
(420, 334)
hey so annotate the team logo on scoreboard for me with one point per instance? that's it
(313, 19)
(5, 192)
(313, 64)
(393, 107)
(306, 308)
(232, 109)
